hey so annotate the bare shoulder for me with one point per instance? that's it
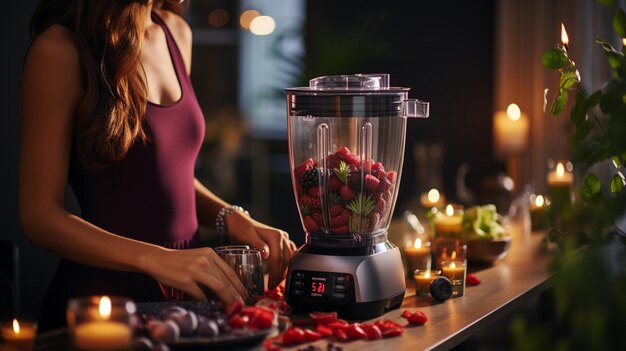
(179, 28)
(54, 45)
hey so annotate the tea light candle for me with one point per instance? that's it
(560, 177)
(423, 279)
(511, 130)
(455, 271)
(559, 184)
(19, 335)
(450, 223)
(432, 199)
(417, 255)
(538, 205)
(102, 333)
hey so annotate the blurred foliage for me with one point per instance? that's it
(586, 304)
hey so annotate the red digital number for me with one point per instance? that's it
(318, 287)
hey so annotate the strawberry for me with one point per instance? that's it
(339, 220)
(378, 169)
(372, 331)
(374, 218)
(392, 331)
(371, 182)
(299, 189)
(342, 153)
(417, 318)
(303, 167)
(381, 206)
(340, 230)
(392, 176)
(234, 308)
(309, 202)
(338, 324)
(346, 193)
(323, 330)
(336, 210)
(238, 321)
(311, 335)
(333, 161)
(324, 318)
(383, 185)
(472, 280)
(352, 159)
(310, 224)
(354, 331)
(367, 165)
(335, 183)
(341, 335)
(293, 336)
(318, 217)
(315, 191)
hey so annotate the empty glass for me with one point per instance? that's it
(248, 265)
(221, 249)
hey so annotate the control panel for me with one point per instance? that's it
(327, 286)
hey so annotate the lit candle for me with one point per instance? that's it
(455, 270)
(417, 256)
(538, 205)
(559, 187)
(450, 223)
(102, 333)
(433, 198)
(423, 279)
(511, 130)
(560, 176)
(564, 37)
(19, 336)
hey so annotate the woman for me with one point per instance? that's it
(107, 104)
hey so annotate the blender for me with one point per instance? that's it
(346, 148)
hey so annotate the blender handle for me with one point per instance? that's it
(415, 108)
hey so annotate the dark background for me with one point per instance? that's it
(443, 51)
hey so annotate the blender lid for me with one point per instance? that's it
(355, 83)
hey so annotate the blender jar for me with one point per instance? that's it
(346, 148)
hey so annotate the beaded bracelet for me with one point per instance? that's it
(220, 219)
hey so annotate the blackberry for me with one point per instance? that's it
(354, 178)
(310, 178)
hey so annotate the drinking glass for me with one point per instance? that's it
(248, 265)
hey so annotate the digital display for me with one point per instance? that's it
(318, 286)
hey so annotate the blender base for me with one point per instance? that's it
(356, 286)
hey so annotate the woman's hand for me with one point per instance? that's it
(274, 243)
(188, 270)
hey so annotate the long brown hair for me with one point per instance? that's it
(108, 35)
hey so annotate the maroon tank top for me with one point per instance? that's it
(149, 195)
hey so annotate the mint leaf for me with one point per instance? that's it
(616, 184)
(568, 79)
(591, 186)
(583, 130)
(619, 23)
(559, 103)
(579, 112)
(594, 99)
(554, 58)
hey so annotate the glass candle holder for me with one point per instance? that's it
(248, 266)
(18, 335)
(560, 179)
(98, 323)
(448, 223)
(443, 249)
(454, 267)
(538, 206)
(423, 279)
(418, 255)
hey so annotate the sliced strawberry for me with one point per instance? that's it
(406, 313)
(310, 224)
(472, 280)
(338, 324)
(293, 336)
(340, 230)
(318, 317)
(262, 319)
(268, 345)
(324, 331)
(335, 184)
(340, 220)
(354, 331)
(371, 182)
(311, 335)
(341, 335)
(347, 193)
(234, 308)
(417, 318)
(372, 331)
(238, 321)
(392, 176)
(394, 331)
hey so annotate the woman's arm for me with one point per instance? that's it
(51, 90)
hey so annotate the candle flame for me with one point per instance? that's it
(539, 201)
(16, 326)
(427, 275)
(624, 41)
(105, 307)
(560, 170)
(452, 265)
(449, 210)
(453, 256)
(564, 37)
(418, 243)
(513, 112)
(433, 195)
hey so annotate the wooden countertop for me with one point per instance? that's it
(509, 283)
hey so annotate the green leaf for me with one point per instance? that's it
(583, 130)
(568, 78)
(559, 103)
(616, 184)
(594, 99)
(554, 58)
(607, 2)
(578, 114)
(584, 150)
(606, 46)
(619, 23)
(591, 186)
